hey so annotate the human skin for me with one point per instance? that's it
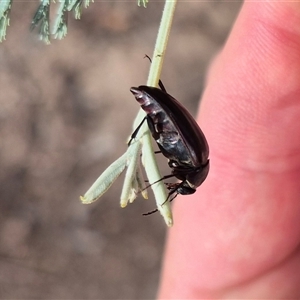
(238, 236)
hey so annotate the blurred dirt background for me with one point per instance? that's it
(65, 114)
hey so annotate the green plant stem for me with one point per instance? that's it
(151, 166)
(143, 143)
(161, 43)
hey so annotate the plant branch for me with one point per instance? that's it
(149, 160)
(142, 143)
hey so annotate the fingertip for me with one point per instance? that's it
(255, 75)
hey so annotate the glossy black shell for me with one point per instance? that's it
(177, 134)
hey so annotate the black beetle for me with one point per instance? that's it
(178, 137)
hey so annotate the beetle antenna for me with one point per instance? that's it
(163, 178)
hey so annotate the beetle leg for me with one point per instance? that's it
(168, 199)
(136, 131)
(162, 86)
(150, 212)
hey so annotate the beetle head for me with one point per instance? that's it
(185, 189)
